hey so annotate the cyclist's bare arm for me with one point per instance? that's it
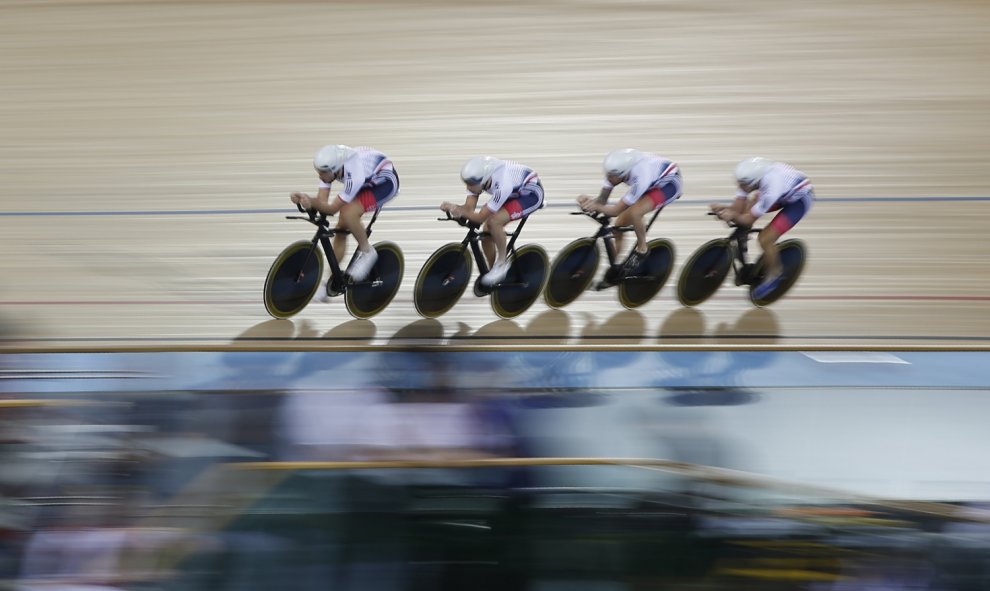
(611, 210)
(738, 205)
(739, 212)
(603, 195)
(462, 211)
(584, 199)
(470, 203)
(319, 203)
(478, 217)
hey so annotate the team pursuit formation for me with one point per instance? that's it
(514, 275)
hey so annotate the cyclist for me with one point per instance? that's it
(654, 181)
(370, 181)
(515, 192)
(773, 186)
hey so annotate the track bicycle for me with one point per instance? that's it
(575, 266)
(707, 268)
(295, 275)
(444, 278)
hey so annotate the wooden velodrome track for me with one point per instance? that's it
(148, 149)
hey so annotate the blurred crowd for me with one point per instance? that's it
(240, 485)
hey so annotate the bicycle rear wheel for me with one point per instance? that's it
(645, 281)
(572, 272)
(366, 298)
(704, 272)
(523, 283)
(792, 257)
(442, 280)
(293, 279)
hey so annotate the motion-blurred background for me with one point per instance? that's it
(159, 431)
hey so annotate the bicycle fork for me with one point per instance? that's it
(312, 249)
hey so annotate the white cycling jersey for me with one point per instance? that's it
(508, 178)
(649, 172)
(781, 185)
(367, 166)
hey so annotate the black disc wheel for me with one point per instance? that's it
(572, 272)
(442, 280)
(641, 284)
(293, 279)
(523, 283)
(366, 298)
(704, 272)
(792, 258)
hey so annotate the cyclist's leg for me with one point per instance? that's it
(529, 199)
(631, 216)
(655, 198)
(786, 219)
(659, 197)
(771, 257)
(369, 199)
(623, 219)
(494, 244)
(350, 217)
(638, 212)
(339, 239)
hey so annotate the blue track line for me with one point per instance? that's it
(563, 204)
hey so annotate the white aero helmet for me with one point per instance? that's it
(331, 158)
(478, 170)
(750, 171)
(619, 163)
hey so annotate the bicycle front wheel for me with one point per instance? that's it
(704, 272)
(293, 279)
(442, 280)
(523, 283)
(645, 281)
(369, 297)
(572, 272)
(792, 258)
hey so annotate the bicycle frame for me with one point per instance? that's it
(742, 269)
(323, 235)
(474, 237)
(607, 231)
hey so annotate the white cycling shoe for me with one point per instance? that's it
(499, 270)
(361, 264)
